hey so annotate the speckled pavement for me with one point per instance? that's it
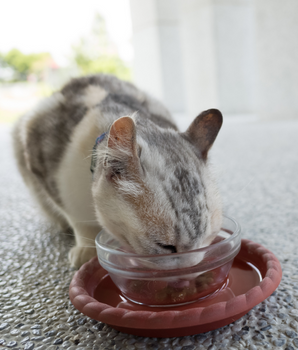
(257, 167)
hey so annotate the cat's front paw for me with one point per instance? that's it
(77, 255)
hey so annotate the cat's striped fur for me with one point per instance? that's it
(152, 186)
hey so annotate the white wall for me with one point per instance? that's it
(218, 55)
(277, 58)
(198, 55)
(236, 55)
(157, 64)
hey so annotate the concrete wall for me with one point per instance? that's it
(198, 55)
(218, 59)
(277, 58)
(157, 64)
(236, 55)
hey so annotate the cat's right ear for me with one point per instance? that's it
(203, 130)
(122, 160)
(122, 135)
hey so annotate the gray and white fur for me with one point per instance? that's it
(152, 186)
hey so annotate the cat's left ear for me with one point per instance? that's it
(203, 130)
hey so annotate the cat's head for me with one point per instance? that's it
(153, 187)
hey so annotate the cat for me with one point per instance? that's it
(150, 185)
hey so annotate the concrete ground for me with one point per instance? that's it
(257, 169)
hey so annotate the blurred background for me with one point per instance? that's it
(236, 55)
(45, 43)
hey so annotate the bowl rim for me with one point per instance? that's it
(236, 233)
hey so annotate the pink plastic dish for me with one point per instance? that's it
(254, 275)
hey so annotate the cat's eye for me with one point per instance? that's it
(139, 151)
(171, 248)
(139, 154)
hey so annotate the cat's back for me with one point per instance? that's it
(58, 114)
(112, 96)
(41, 136)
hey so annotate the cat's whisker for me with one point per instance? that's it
(88, 157)
(68, 234)
(85, 238)
(242, 189)
(87, 246)
(77, 222)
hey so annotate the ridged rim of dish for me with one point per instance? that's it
(194, 316)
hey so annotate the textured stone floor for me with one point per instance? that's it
(257, 167)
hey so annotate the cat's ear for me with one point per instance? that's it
(203, 130)
(122, 160)
(122, 135)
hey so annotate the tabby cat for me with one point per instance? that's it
(150, 185)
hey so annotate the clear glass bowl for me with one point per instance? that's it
(171, 279)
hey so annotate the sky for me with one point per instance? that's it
(54, 26)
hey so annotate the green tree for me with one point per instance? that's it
(25, 64)
(97, 54)
(2, 60)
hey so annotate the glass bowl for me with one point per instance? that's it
(171, 279)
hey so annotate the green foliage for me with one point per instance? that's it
(24, 64)
(2, 60)
(97, 54)
(103, 64)
(18, 61)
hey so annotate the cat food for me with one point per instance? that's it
(170, 279)
(163, 293)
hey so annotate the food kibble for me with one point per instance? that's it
(163, 293)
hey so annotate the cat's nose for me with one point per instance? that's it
(171, 248)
